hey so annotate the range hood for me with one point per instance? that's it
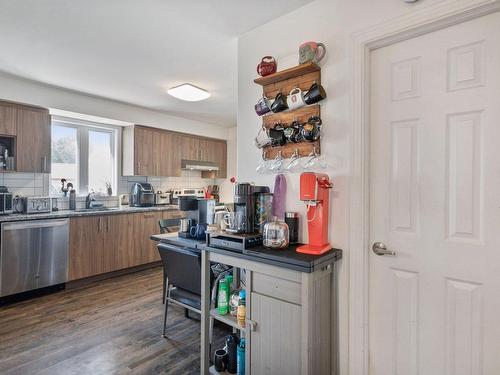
(198, 165)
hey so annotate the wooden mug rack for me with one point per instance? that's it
(301, 76)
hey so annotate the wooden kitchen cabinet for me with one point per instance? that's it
(144, 160)
(85, 248)
(107, 243)
(117, 239)
(145, 225)
(8, 120)
(156, 152)
(33, 140)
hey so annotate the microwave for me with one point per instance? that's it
(5, 203)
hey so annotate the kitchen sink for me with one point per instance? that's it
(94, 209)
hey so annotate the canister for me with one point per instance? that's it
(292, 220)
(263, 210)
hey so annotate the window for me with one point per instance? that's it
(83, 154)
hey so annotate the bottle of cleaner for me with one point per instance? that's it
(242, 311)
(240, 358)
(223, 297)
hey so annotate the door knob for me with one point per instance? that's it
(379, 248)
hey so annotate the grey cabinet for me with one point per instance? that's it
(290, 317)
(275, 345)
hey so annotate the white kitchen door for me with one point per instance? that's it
(434, 307)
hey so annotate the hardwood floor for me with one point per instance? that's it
(110, 327)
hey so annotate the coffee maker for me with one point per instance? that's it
(245, 196)
(315, 191)
(198, 214)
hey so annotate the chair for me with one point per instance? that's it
(167, 226)
(183, 270)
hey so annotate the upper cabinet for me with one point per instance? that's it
(25, 131)
(8, 118)
(33, 141)
(156, 152)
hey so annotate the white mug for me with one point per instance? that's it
(295, 99)
(262, 139)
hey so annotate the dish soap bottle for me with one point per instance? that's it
(242, 310)
(223, 297)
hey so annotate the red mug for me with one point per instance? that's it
(268, 65)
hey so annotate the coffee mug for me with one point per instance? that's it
(293, 132)
(279, 104)
(220, 360)
(263, 106)
(311, 52)
(277, 135)
(295, 99)
(315, 94)
(262, 139)
(198, 231)
(311, 129)
(268, 65)
(235, 222)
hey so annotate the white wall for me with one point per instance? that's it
(331, 22)
(226, 187)
(30, 92)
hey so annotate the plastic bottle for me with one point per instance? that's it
(242, 310)
(240, 358)
(229, 279)
(223, 297)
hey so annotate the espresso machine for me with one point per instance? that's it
(245, 196)
(315, 191)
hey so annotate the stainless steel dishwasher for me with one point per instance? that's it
(33, 254)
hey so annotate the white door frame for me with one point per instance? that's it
(420, 22)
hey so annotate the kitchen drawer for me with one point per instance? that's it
(285, 290)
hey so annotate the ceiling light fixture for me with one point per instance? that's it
(188, 92)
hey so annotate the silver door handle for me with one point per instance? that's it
(380, 248)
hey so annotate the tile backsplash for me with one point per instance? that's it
(37, 184)
(26, 184)
(188, 179)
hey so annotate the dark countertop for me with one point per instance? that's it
(77, 213)
(286, 258)
(174, 239)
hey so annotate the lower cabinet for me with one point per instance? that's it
(106, 243)
(275, 345)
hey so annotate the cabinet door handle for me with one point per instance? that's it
(251, 324)
(138, 167)
(44, 164)
(148, 215)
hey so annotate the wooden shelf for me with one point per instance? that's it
(226, 319)
(287, 117)
(283, 75)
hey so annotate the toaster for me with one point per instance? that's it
(163, 198)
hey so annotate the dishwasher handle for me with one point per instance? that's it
(34, 224)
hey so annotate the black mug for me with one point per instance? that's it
(311, 129)
(293, 132)
(279, 104)
(198, 231)
(277, 135)
(315, 94)
(220, 360)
